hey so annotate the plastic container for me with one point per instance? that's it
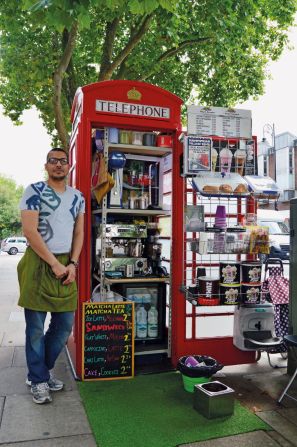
(209, 287)
(230, 294)
(209, 366)
(141, 322)
(251, 293)
(251, 272)
(190, 382)
(229, 272)
(152, 326)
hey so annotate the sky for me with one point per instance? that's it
(24, 148)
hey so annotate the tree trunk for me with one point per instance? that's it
(58, 80)
(108, 66)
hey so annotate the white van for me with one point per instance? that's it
(14, 245)
(279, 232)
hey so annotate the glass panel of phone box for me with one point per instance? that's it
(222, 239)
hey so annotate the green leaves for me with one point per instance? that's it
(218, 48)
(10, 195)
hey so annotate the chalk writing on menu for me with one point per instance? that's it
(108, 340)
(219, 121)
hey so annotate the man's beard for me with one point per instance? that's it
(61, 178)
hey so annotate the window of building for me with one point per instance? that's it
(265, 169)
(290, 160)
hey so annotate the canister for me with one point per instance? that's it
(125, 136)
(230, 294)
(209, 291)
(137, 138)
(149, 139)
(229, 272)
(250, 293)
(113, 135)
(164, 141)
(251, 272)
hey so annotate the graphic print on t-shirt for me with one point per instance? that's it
(57, 213)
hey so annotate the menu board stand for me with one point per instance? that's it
(108, 341)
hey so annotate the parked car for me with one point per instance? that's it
(13, 245)
(279, 236)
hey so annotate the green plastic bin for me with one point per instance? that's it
(190, 382)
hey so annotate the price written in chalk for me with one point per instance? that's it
(108, 349)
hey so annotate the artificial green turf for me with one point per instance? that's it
(155, 411)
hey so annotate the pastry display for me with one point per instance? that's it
(216, 184)
(225, 188)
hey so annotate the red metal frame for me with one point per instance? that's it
(84, 117)
(221, 348)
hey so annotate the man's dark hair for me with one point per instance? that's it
(56, 149)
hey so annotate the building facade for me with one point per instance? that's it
(278, 160)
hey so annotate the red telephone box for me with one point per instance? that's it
(143, 108)
(124, 105)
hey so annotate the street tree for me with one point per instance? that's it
(216, 51)
(10, 195)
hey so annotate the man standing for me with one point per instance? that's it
(53, 219)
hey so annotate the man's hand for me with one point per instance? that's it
(59, 270)
(71, 274)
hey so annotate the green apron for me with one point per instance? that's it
(39, 288)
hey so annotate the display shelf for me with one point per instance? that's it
(215, 310)
(144, 279)
(136, 280)
(151, 349)
(134, 212)
(137, 149)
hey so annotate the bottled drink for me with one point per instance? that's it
(153, 322)
(141, 322)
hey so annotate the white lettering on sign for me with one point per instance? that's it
(126, 108)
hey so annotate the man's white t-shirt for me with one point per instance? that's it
(57, 213)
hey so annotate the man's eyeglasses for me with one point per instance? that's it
(55, 161)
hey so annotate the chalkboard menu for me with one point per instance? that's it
(108, 341)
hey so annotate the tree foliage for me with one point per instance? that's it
(221, 48)
(10, 195)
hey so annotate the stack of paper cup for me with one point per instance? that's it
(220, 217)
(219, 243)
(203, 243)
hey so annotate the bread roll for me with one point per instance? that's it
(210, 189)
(226, 188)
(240, 189)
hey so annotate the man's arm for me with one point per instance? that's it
(77, 243)
(78, 237)
(30, 230)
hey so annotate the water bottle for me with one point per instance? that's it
(152, 327)
(141, 322)
(135, 324)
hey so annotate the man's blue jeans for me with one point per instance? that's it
(42, 349)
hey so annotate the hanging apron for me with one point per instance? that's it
(39, 288)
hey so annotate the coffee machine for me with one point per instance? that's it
(153, 252)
